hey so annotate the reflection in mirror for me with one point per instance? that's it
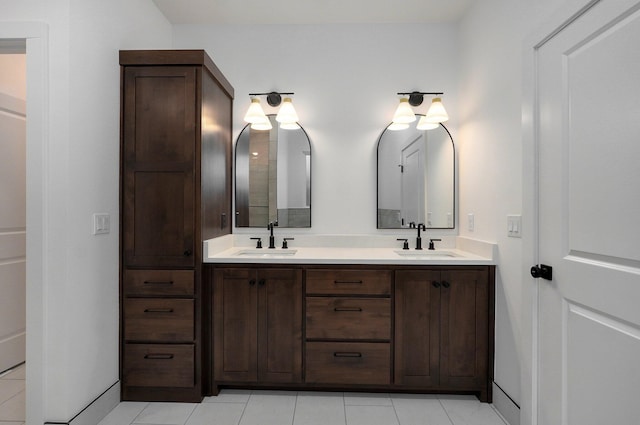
(416, 178)
(273, 177)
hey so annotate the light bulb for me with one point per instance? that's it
(255, 113)
(436, 112)
(287, 113)
(423, 124)
(262, 125)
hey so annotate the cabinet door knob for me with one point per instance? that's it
(252, 282)
(187, 252)
(261, 282)
(435, 284)
(445, 284)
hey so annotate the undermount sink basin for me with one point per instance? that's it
(425, 253)
(266, 253)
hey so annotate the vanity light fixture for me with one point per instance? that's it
(287, 116)
(405, 115)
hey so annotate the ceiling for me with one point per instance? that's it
(312, 11)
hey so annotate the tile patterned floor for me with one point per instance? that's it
(244, 407)
(12, 405)
(240, 407)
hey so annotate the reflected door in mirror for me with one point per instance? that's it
(416, 178)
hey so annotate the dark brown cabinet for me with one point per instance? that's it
(444, 329)
(348, 327)
(257, 326)
(374, 327)
(175, 193)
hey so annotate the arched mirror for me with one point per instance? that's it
(273, 177)
(416, 178)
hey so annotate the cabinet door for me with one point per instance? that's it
(159, 141)
(280, 325)
(417, 332)
(464, 328)
(216, 159)
(235, 325)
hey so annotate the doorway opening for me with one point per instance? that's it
(12, 230)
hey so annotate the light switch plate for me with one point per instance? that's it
(101, 223)
(514, 226)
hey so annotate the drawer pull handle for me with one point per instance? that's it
(158, 356)
(158, 310)
(347, 309)
(158, 282)
(356, 282)
(346, 354)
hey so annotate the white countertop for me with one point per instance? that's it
(348, 249)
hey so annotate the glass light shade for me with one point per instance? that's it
(394, 126)
(262, 125)
(404, 114)
(255, 113)
(287, 112)
(289, 125)
(436, 112)
(423, 124)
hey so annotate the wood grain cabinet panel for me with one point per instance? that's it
(159, 319)
(257, 325)
(443, 335)
(348, 282)
(353, 363)
(175, 190)
(348, 318)
(158, 365)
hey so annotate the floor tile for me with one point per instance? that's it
(419, 409)
(124, 413)
(9, 388)
(217, 413)
(319, 408)
(269, 408)
(229, 396)
(467, 410)
(14, 408)
(367, 399)
(371, 415)
(11, 423)
(165, 413)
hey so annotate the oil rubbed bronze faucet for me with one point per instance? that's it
(420, 226)
(272, 239)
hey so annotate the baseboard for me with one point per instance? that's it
(12, 351)
(509, 410)
(97, 409)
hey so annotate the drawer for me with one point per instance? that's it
(348, 318)
(156, 365)
(158, 282)
(158, 319)
(349, 282)
(348, 363)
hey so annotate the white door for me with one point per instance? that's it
(588, 138)
(412, 208)
(12, 231)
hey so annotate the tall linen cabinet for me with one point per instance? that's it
(175, 192)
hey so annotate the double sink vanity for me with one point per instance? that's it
(354, 313)
(202, 308)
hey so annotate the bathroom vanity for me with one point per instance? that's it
(366, 319)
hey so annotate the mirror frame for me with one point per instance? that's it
(235, 179)
(454, 180)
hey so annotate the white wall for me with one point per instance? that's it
(345, 79)
(81, 174)
(492, 40)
